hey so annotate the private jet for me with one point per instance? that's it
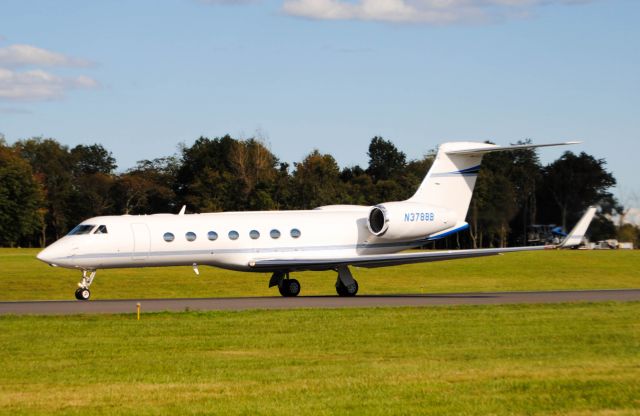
(330, 237)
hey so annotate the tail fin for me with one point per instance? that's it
(576, 235)
(452, 177)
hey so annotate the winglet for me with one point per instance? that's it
(182, 210)
(576, 235)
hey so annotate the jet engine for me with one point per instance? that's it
(407, 220)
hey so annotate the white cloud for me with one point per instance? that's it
(27, 55)
(437, 12)
(37, 85)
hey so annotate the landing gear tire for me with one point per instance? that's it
(83, 293)
(346, 290)
(289, 287)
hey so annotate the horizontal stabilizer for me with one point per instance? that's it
(576, 235)
(496, 148)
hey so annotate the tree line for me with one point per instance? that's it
(46, 188)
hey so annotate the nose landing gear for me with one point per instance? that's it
(83, 292)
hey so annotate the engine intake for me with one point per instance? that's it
(377, 221)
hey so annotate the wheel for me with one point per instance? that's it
(344, 290)
(84, 294)
(78, 293)
(289, 287)
(283, 288)
(294, 287)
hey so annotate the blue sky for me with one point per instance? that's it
(142, 76)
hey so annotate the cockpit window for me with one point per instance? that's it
(101, 230)
(81, 229)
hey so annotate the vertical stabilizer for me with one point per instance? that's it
(574, 238)
(452, 177)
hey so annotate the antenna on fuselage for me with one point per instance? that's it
(182, 210)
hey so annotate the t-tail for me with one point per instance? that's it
(450, 181)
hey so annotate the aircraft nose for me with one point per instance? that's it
(46, 256)
(42, 256)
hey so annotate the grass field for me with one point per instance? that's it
(538, 359)
(23, 277)
(522, 359)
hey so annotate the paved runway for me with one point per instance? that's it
(63, 307)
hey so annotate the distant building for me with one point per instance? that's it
(611, 244)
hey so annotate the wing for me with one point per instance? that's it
(382, 260)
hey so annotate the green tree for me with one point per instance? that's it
(205, 182)
(525, 173)
(417, 169)
(93, 178)
(316, 181)
(254, 168)
(282, 195)
(359, 186)
(629, 233)
(147, 188)
(224, 174)
(92, 159)
(572, 183)
(385, 160)
(414, 174)
(21, 199)
(394, 178)
(53, 166)
(91, 197)
(494, 203)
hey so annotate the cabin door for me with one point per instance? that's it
(141, 241)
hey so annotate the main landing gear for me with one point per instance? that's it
(83, 292)
(346, 285)
(287, 287)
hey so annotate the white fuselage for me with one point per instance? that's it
(139, 241)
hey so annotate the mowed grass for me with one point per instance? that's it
(23, 277)
(529, 359)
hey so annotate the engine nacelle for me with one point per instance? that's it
(407, 220)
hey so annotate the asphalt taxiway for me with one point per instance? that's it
(63, 307)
